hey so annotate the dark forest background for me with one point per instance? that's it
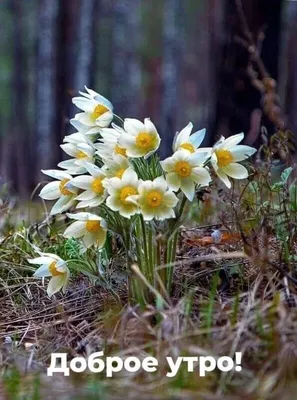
(227, 65)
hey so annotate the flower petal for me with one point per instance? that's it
(42, 272)
(51, 191)
(242, 152)
(55, 284)
(224, 178)
(82, 182)
(197, 138)
(232, 141)
(188, 187)
(75, 230)
(236, 171)
(201, 176)
(63, 204)
(173, 180)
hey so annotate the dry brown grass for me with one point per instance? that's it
(256, 316)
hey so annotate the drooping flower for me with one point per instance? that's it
(90, 132)
(76, 138)
(94, 192)
(81, 152)
(140, 140)
(108, 144)
(60, 189)
(90, 227)
(116, 166)
(185, 170)
(97, 110)
(52, 266)
(119, 189)
(155, 199)
(225, 157)
(190, 142)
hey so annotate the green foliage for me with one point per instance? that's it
(148, 169)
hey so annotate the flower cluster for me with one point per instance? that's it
(102, 170)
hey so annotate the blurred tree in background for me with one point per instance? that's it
(172, 60)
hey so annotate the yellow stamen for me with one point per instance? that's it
(224, 157)
(98, 111)
(93, 226)
(97, 186)
(126, 192)
(154, 199)
(188, 146)
(53, 269)
(120, 150)
(183, 169)
(81, 154)
(120, 173)
(63, 189)
(144, 140)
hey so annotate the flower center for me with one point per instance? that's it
(154, 199)
(63, 189)
(120, 173)
(188, 146)
(53, 269)
(80, 154)
(126, 192)
(183, 169)
(224, 157)
(97, 186)
(99, 110)
(144, 140)
(93, 226)
(120, 150)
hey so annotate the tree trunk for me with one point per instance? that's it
(126, 74)
(171, 67)
(19, 126)
(85, 45)
(46, 96)
(288, 66)
(240, 101)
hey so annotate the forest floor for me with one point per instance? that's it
(237, 295)
(235, 304)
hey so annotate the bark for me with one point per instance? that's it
(240, 96)
(46, 96)
(85, 41)
(19, 127)
(205, 35)
(288, 66)
(75, 47)
(171, 66)
(126, 74)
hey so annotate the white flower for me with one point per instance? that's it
(140, 140)
(155, 200)
(94, 192)
(184, 170)
(90, 227)
(76, 138)
(190, 142)
(225, 156)
(54, 266)
(82, 152)
(119, 190)
(116, 166)
(98, 111)
(109, 143)
(90, 132)
(59, 189)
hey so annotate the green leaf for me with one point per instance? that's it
(285, 174)
(293, 197)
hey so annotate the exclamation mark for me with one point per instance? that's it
(238, 362)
